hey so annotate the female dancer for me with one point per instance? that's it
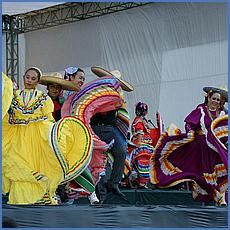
(140, 157)
(196, 155)
(32, 169)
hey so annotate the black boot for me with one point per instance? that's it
(114, 188)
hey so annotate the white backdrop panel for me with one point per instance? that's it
(62, 46)
(158, 47)
(184, 74)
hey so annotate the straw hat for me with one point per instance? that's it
(56, 78)
(221, 91)
(100, 72)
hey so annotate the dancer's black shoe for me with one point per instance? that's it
(114, 189)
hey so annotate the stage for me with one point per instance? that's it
(153, 209)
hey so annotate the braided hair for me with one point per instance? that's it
(141, 109)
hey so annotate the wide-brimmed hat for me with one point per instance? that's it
(222, 92)
(56, 78)
(100, 72)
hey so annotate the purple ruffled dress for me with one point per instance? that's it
(197, 157)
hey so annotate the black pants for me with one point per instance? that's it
(106, 133)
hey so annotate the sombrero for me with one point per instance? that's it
(221, 91)
(56, 78)
(100, 72)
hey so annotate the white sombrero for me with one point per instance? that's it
(56, 78)
(100, 72)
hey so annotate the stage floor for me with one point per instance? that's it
(118, 216)
(150, 197)
(142, 208)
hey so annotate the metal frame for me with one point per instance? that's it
(11, 27)
(71, 12)
(50, 17)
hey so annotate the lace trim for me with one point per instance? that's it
(198, 190)
(38, 102)
(24, 121)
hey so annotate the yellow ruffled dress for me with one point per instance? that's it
(7, 93)
(30, 169)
